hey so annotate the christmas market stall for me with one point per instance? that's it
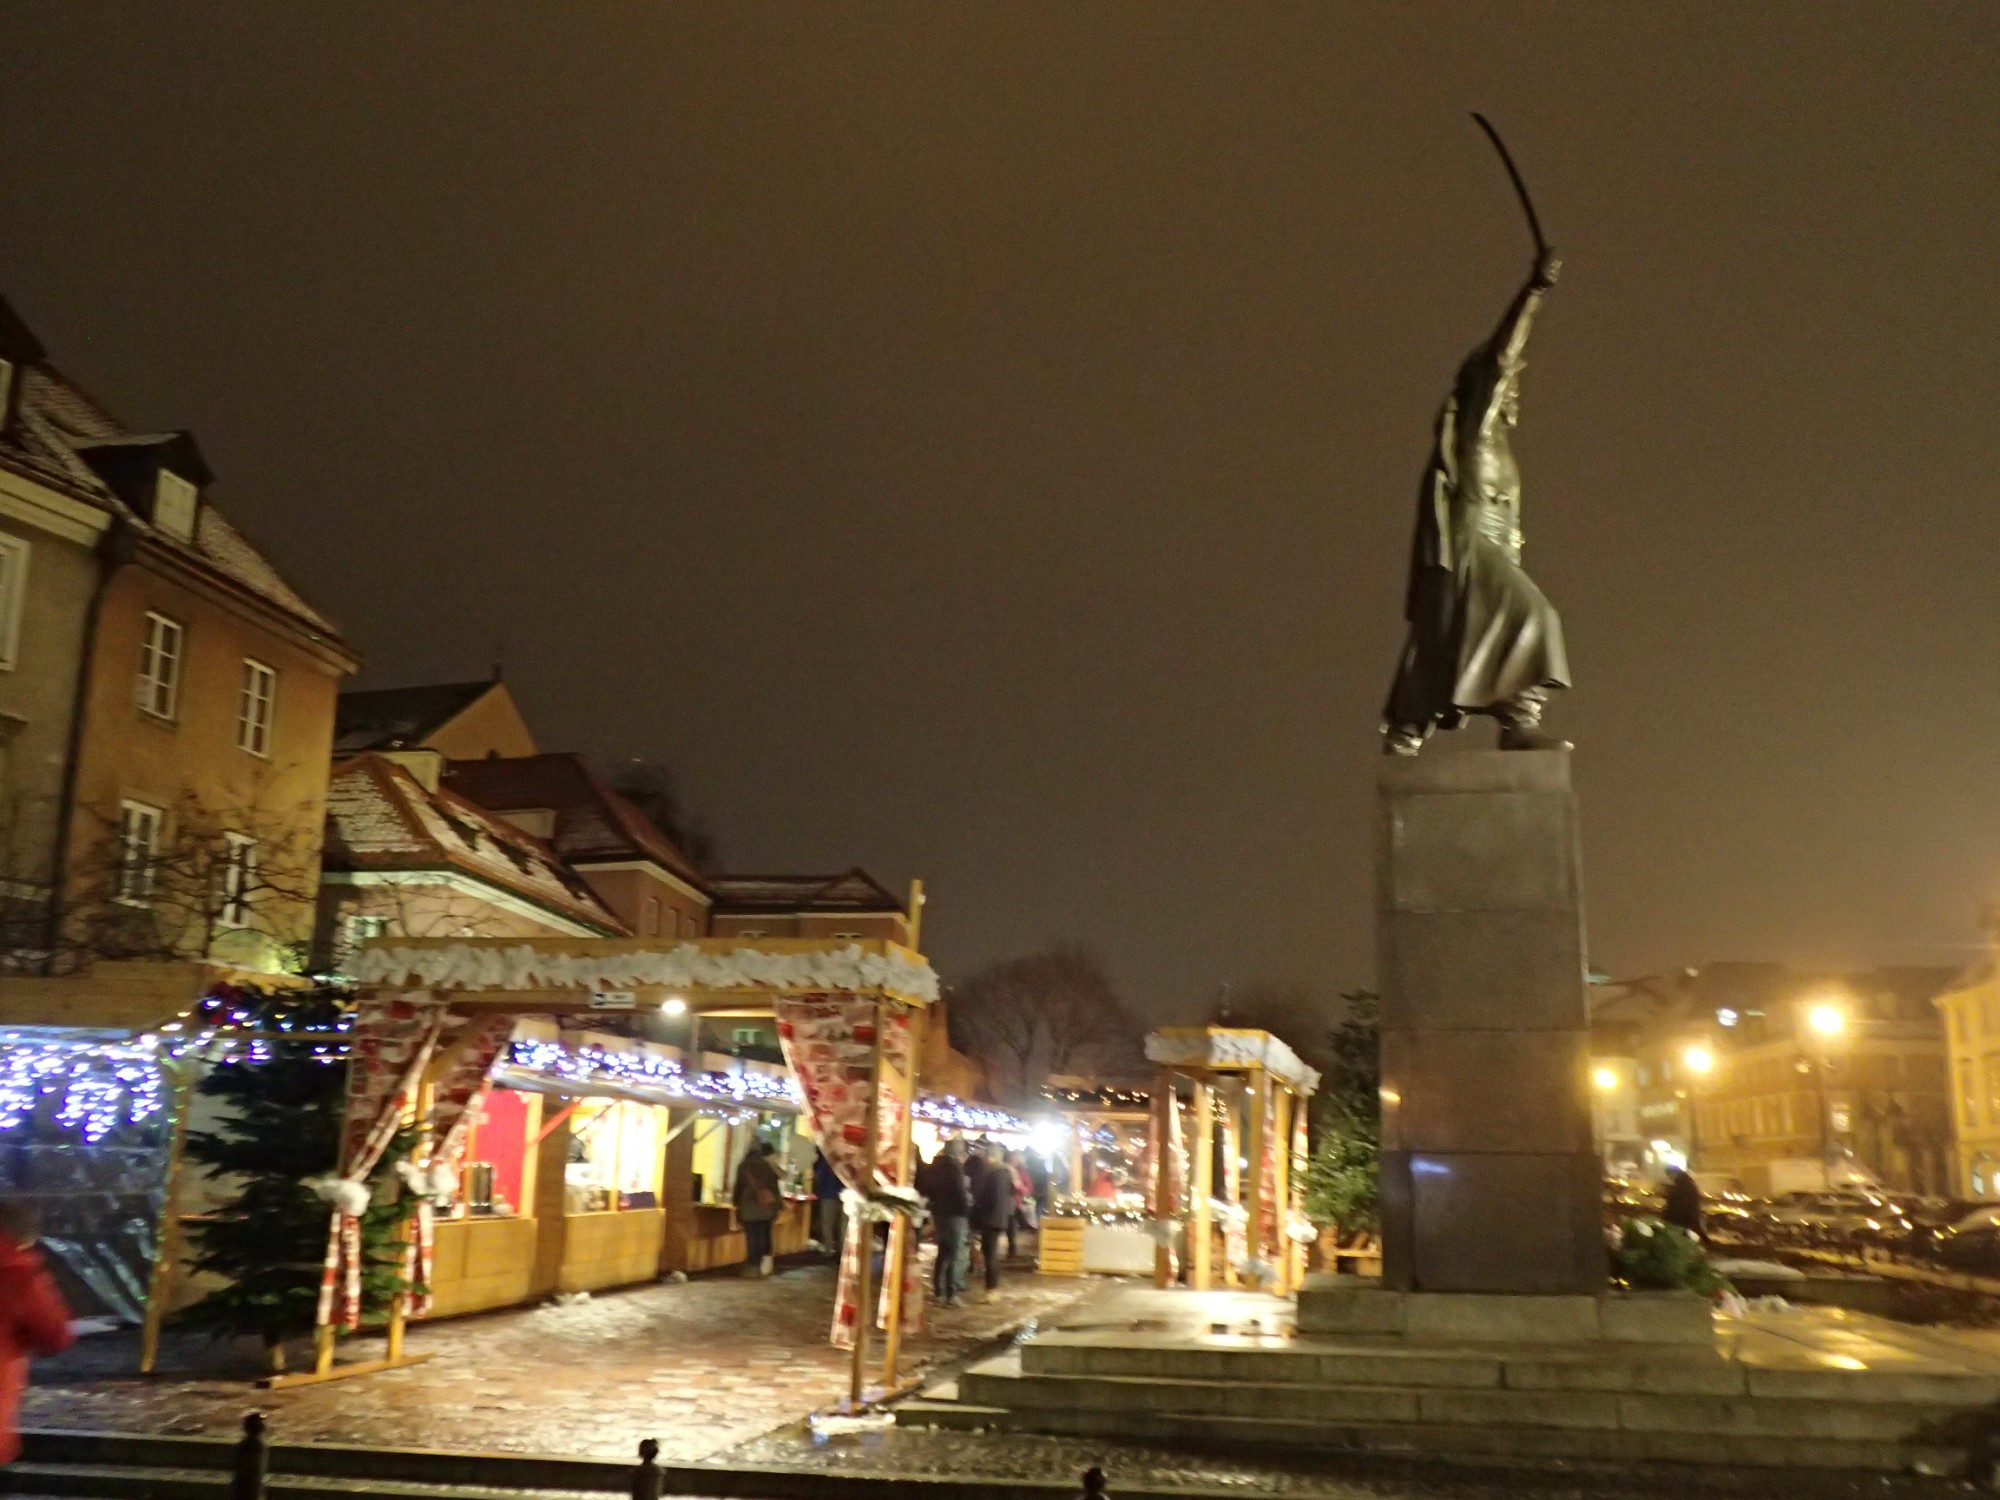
(1244, 1113)
(1097, 1140)
(100, 1072)
(610, 1136)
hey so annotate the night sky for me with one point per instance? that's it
(980, 441)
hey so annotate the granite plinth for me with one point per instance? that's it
(1489, 1179)
(1346, 1305)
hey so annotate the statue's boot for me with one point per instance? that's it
(1403, 739)
(1521, 723)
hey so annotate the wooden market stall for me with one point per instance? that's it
(438, 1016)
(1246, 1108)
(1099, 1224)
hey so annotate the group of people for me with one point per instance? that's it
(976, 1189)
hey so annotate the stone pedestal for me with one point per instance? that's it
(1490, 1182)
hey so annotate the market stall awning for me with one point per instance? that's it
(711, 974)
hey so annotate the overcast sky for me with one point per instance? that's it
(980, 441)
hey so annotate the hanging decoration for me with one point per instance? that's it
(690, 966)
(585, 1065)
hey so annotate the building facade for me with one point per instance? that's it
(1969, 1009)
(169, 705)
(1773, 1079)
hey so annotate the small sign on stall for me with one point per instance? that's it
(613, 999)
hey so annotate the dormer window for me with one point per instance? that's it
(173, 505)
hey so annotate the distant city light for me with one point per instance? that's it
(1725, 1017)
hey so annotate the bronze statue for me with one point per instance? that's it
(1482, 638)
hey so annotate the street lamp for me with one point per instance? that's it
(1698, 1062)
(1606, 1079)
(1826, 1020)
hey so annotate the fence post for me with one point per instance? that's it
(246, 1472)
(646, 1478)
(1093, 1483)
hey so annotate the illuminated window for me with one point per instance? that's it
(174, 505)
(160, 667)
(138, 853)
(254, 707)
(239, 879)
(13, 591)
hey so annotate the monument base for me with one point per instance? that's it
(1490, 1181)
(1346, 1305)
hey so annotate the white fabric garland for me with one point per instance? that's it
(346, 1194)
(1218, 1047)
(466, 967)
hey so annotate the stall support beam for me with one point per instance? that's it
(1259, 1102)
(900, 1233)
(1163, 1194)
(1300, 1146)
(864, 1272)
(1281, 1188)
(1200, 1226)
(167, 1238)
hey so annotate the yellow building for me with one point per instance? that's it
(1971, 1012)
(1774, 1079)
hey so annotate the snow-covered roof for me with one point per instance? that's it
(381, 818)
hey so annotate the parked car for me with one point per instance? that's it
(1972, 1244)
(1847, 1214)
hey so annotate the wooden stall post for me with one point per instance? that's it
(167, 1238)
(1200, 1250)
(1232, 1173)
(1300, 1147)
(864, 1273)
(1281, 1187)
(1259, 1099)
(900, 1228)
(1163, 1177)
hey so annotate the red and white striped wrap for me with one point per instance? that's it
(829, 1042)
(474, 1052)
(389, 1048)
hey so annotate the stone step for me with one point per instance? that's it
(1457, 1440)
(1002, 1383)
(1680, 1372)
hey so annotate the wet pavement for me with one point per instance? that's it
(700, 1365)
(916, 1453)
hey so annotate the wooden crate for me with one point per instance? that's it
(1061, 1247)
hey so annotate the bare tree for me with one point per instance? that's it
(1054, 1011)
(650, 786)
(198, 879)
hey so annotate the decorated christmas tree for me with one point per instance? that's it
(279, 1130)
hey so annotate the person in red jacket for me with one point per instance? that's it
(34, 1321)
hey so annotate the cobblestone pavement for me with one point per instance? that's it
(700, 1366)
(919, 1453)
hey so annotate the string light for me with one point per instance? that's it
(586, 1065)
(953, 1113)
(1100, 1098)
(94, 1086)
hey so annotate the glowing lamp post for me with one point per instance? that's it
(1826, 1023)
(1697, 1061)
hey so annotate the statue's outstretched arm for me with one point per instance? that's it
(1512, 335)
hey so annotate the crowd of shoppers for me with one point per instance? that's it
(981, 1197)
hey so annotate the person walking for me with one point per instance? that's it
(951, 1207)
(1023, 1216)
(1683, 1206)
(757, 1202)
(34, 1320)
(827, 1188)
(992, 1210)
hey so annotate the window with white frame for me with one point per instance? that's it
(138, 852)
(360, 929)
(239, 879)
(160, 666)
(253, 710)
(174, 502)
(13, 596)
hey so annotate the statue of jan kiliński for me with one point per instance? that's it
(1482, 639)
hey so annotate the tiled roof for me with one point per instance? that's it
(401, 718)
(854, 891)
(57, 419)
(380, 817)
(593, 822)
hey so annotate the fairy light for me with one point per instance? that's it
(586, 1065)
(953, 1113)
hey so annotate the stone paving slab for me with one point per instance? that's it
(700, 1366)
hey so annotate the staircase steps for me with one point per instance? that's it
(1582, 1402)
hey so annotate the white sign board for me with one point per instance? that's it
(613, 999)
